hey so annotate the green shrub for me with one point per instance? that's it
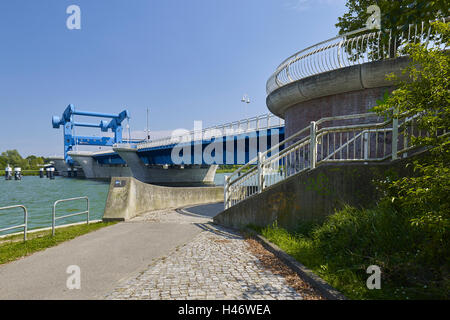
(341, 249)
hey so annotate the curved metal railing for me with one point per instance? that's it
(349, 49)
(261, 122)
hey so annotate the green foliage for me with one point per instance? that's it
(426, 95)
(393, 13)
(426, 90)
(341, 249)
(13, 158)
(225, 168)
(396, 18)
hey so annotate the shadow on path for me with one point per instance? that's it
(205, 210)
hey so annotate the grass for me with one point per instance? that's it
(224, 171)
(13, 247)
(230, 169)
(340, 249)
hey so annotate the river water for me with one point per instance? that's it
(38, 196)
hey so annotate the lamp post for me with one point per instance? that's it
(148, 132)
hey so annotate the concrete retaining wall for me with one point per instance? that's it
(129, 197)
(311, 196)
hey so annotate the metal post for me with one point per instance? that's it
(394, 138)
(148, 135)
(225, 191)
(87, 199)
(25, 227)
(313, 145)
(366, 145)
(261, 184)
(25, 221)
(53, 219)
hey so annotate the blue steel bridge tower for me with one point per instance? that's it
(67, 120)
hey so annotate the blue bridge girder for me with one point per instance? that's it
(242, 150)
(233, 149)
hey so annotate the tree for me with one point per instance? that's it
(34, 162)
(396, 18)
(426, 96)
(425, 92)
(3, 162)
(393, 13)
(13, 158)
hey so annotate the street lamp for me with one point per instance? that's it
(245, 99)
(147, 131)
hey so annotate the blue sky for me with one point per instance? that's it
(186, 60)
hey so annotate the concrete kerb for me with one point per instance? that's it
(306, 274)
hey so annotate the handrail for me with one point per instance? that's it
(276, 147)
(54, 218)
(347, 50)
(363, 142)
(299, 133)
(243, 126)
(25, 221)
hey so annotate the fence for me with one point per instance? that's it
(25, 221)
(54, 218)
(349, 49)
(352, 138)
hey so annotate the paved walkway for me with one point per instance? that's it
(105, 257)
(215, 265)
(166, 254)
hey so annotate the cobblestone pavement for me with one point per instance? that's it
(216, 264)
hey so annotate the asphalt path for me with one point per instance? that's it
(104, 257)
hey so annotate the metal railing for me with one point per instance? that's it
(54, 217)
(349, 49)
(354, 138)
(25, 221)
(252, 124)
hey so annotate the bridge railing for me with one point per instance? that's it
(354, 138)
(349, 49)
(252, 124)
